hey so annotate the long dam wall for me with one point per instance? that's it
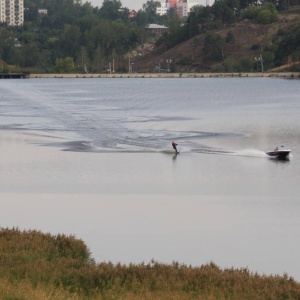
(170, 75)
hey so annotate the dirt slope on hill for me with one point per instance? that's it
(250, 40)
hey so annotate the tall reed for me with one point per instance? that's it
(34, 265)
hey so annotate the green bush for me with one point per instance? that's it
(230, 64)
(255, 47)
(218, 68)
(267, 14)
(268, 58)
(245, 65)
(65, 65)
(250, 13)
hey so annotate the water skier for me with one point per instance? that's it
(174, 145)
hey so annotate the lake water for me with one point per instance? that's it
(93, 157)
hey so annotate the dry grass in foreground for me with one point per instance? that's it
(34, 265)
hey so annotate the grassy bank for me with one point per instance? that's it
(42, 266)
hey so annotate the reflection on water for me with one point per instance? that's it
(119, 185)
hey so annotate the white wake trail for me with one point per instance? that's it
(251, 153)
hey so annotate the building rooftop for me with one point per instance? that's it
(156, 26)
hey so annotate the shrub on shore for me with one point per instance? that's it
(34, 265)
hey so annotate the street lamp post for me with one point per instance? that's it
(259, 59)
(168, 61)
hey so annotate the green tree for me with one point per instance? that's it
(175, 34)
(224, 10)
(9, 50)
(229, 37)
(30, 56)
(65, 65)
(70, 40)
(205, 15)
(141, 19)
(268, 59)
(267, 14)
(150, 9)
(290, 44)
(250, 13)
(192, 25)
(111, 10)
(98, 60)
(213, 47)
(82, 61)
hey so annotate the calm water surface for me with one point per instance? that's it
(93, 157)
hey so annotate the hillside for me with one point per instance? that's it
(74, 37)
(249, 41)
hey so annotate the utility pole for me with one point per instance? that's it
(262, 63)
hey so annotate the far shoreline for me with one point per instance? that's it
(291, 75)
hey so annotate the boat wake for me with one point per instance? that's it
(164, 149)
(251, 153)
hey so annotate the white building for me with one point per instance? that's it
(12, 12)
(183, 9)
(162, 9)
(42, 11)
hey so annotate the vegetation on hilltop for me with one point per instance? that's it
(209, 42)
(42, 266)
(90, 37)
(76, 37)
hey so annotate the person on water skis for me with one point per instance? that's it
(174, 145)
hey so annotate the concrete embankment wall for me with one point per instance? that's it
(170, 75)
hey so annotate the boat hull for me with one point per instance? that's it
(279, 154)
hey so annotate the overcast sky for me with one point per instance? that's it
(131, 4)
(137, 4)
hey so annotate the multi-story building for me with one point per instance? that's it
(12, 12)
(182, 7)
(162, 9)
(171, 3)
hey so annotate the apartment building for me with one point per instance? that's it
(182, 7)
(162, 9)
(12, 12)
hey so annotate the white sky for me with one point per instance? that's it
(131, 4)
(135, 4)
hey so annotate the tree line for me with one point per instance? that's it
(73, 36)
(76, 37)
